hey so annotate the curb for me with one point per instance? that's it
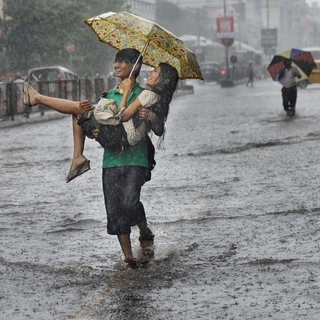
(36, 117)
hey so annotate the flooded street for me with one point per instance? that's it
(233, 202)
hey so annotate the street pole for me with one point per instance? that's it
(228, 82)
(4, 35)
(198, 51)
(227, 47)
(268, 24)
(268, 17)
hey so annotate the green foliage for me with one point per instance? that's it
(37, 33)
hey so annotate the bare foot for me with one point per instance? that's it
(125, 243)
(77, 162)
(32, 96)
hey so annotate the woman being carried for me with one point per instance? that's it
(127, 126)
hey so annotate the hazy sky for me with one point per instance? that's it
(310, 1)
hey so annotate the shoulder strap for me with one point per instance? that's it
(104, 94)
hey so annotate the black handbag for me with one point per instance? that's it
(110, 137)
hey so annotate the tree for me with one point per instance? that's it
(41, 33)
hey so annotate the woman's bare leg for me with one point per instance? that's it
(78, 145)
(60, 105)
(67, 107)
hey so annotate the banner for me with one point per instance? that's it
(225, 28)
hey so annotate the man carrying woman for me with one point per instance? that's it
(124, 173)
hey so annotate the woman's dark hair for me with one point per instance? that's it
(165, 88)
(137, 72)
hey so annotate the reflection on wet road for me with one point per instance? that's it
(233, 202)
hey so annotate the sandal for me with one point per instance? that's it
(26, 97)
(79, 171)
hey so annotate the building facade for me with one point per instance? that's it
(297, 22)
(143, 8)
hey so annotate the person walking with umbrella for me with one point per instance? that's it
(285, 67)
(289, 89)
(250, 74)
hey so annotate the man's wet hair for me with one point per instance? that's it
(129, 55)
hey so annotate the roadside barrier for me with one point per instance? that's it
(11, 94)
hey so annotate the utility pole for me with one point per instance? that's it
(225, 31)
(4, 35)
(227, 47)
(268, 16)
(198, 51)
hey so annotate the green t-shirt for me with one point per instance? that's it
(133, 156)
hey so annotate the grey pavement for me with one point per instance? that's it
(34, 117)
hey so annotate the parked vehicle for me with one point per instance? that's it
(211, 71)
(50, 77)
(313, 78)
(50, 74)
(315, 51)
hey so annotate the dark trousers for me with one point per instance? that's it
(121, 189)
(250, 80)
(289, 97)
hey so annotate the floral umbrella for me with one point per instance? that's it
(125, 30)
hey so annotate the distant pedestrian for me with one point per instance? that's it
(18, 78)
(250, 74)
(19, 88)
(287, 77)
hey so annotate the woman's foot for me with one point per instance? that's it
(77, 162)
(32, 96)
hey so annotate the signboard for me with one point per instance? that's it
(269, 38)
(225, 28)
(233, 59)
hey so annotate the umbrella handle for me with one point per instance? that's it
(134, 65)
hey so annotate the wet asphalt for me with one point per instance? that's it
(233, 202)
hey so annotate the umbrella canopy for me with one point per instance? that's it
(302, 60)
(125, 30)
